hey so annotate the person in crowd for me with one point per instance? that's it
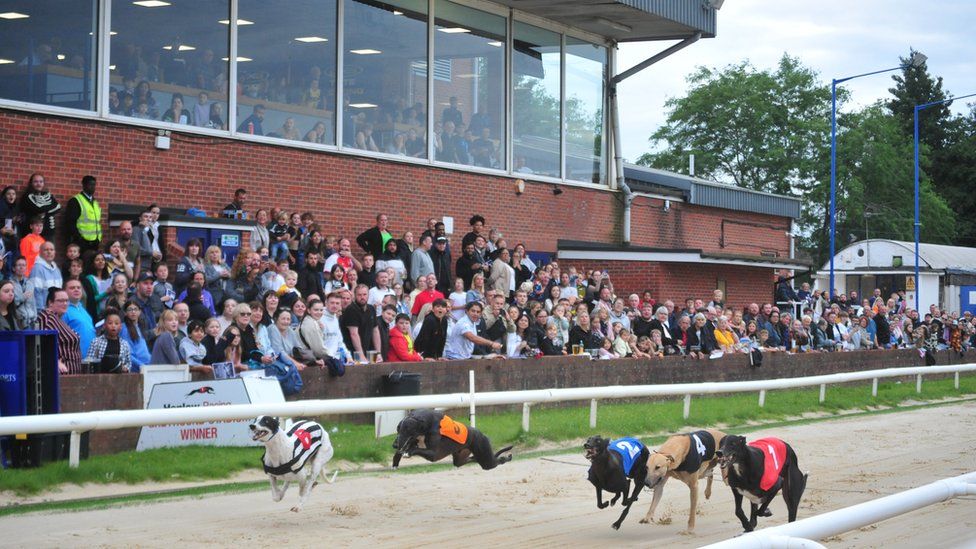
(37, 201)
(391, 259)
(11, 219)
(8, 311)
(252, 124)
(30, 244)
(177, 113)
(311, 333)
(724, 337)
(96, 281)
(230, 348)
(24, 300)
(165, 349)
(428, 295)
(69, 344)
(45, 274)
(76, 317)
(235, 210)
(162, 288)
(149, 304)
(109, 350)
(432, 335)
(373, 240)
(217, 275)
(279, 237)
(134, 332)
(128, 257)
(582, 334)
(421, 263)
(190, 263)
(401, 343)
(462, 335)
(502, 275)
(358, 322)
(283, 339)
(260, 233)
(440, 256)
(192, 349)
(83, 217)
(149, 252)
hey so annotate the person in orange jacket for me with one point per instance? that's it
(401, 344)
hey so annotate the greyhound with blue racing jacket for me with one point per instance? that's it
(613, 464)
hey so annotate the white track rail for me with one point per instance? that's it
(81, 422)
(803, 533)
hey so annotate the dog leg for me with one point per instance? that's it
(753, 516)
(708, 485)
(616, 496)
(739, 513)
(277, 492)
(693, 488)
(304, 489)
(639, 479)
(623, 515)
(793, 486)
(658, 492)
(600, 504)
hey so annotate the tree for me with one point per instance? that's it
(757, 129)
(914, 86)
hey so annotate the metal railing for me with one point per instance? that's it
(78, 423)
(803, 533)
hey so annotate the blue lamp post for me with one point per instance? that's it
(916, 60)
(918, 109)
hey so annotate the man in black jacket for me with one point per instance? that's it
(433, 332)
(441, 258)
(310, 277)
(469, 264)
(372, 240)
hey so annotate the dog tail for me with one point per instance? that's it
(803, 485)
(504, 459)
(325, 476)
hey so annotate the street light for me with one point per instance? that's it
(916, 60)
(919, 108)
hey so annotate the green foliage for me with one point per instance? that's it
(915, 86)
(760, 129)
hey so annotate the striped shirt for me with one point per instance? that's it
(69, 344)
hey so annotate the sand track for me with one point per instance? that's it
(546, 502)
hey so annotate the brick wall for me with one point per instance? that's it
(345, 192)
(121, 392)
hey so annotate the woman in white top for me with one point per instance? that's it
(515, 344)
(458, 299)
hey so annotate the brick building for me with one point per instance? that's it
(70, 105)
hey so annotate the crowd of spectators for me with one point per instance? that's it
(299, 297)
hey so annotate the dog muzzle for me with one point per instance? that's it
(589, 452)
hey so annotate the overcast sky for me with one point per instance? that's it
(837, 38)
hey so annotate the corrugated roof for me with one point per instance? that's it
(627, 20)
(937, 257)
(709, 193)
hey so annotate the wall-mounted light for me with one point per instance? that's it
(556, 191)
(519, 186)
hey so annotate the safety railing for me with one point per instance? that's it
(804, 533)
(78, 423)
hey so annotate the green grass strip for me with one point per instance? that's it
(549, 425)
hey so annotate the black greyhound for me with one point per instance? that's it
(442, 437)
(758, 470)
(609, 471)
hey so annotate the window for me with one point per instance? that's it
(385, 76)
(586, 67)
(469, 86)
(47, 52)
(536, 100)
(169, 61)
(287, 62)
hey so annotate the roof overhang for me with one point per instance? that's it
(627, 20)
(594, 251)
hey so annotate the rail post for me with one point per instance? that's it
(687, 411)
(874, 387)
(593, 413)
(74, 450)
(526, 410)
(762, 398)
(918, 383)
(823, 392)
(471, 413)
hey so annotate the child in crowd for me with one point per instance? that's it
(30, 245)
(71, 253)
(108, 350)
(287, 293)
(278, 234)
(192, 349)
(162, 288)
(548, 344)
(458, 299)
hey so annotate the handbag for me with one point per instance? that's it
(287, 375)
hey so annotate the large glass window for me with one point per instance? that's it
(586, 66)
(169, 61)
(535, 100)
(47, 52)
(469, 86)
(385, 76)
(287, 62)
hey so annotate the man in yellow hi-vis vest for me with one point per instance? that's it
(84, 217)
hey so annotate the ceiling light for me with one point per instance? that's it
(495, 44)
(612, 24)
(363, 105)
(6, 61)
(240, 59)
(151, 3)
(13, 15)
(61, 57)
(111, 67)
(112, 33)
(365, 52)
(395, 12)
(183, 47)
(240, 22)
(311, 39)
(454, 30)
